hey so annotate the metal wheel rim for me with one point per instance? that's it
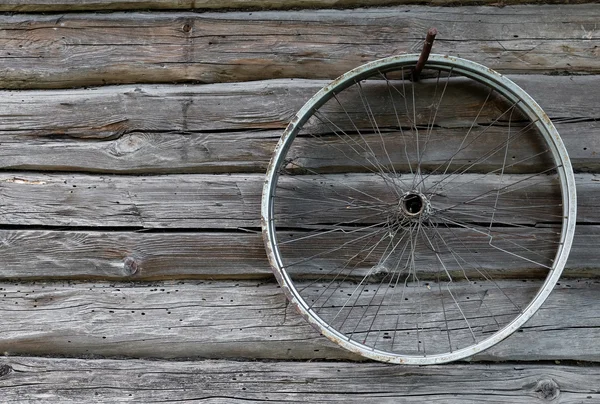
(476, 72)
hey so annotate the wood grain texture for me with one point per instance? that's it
(50, 380)
(222, 127)
(81, 214)
(204, 288)
(111, 5)
(310, 200)
(241, 319)
(36, 254)
(192, 201)
(136, 202)
(58, 51)
(131, 255)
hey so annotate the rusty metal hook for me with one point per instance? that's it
(431, 33)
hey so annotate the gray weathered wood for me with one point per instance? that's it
(191, 201)
(225, 127)
(38, 254)
(337, 255)
(105, 5)
(76, 226)
(138, 202)
(131, 255)
(240, 320)
(95, 49)
(52, 380)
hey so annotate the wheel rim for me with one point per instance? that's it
(413, 217)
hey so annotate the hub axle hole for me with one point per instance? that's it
(412, 204)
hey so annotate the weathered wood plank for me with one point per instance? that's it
(240, 320)
(368, 198)
(172, 201)
(106, 5)
(96, 49)
(192, 201)
(445, 314)
(75, 380)
(35, 254)
(106, 112)
(378, 258)
(144, 256)
(142, 152)
(131, 255)
(225, 127)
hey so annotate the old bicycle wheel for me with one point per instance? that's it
(419, 222)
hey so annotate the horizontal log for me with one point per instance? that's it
(418, 317)
(379, 257)
(36, 254)
(234, 127)
(193, 202)
(241, 320)
(106, 5)
(107, 112)
(131, 255)
(134, 202)
(196, 201)
(96, 49)
(75, 380)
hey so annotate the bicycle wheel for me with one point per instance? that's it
(419, 222)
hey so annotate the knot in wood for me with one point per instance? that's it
(5, 369)
(131, 266)
(547, 389)
(127, 144)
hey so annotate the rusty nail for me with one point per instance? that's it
(424, 54)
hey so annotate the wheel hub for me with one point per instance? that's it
(414, 205)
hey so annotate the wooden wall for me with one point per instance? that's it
(133, 145)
